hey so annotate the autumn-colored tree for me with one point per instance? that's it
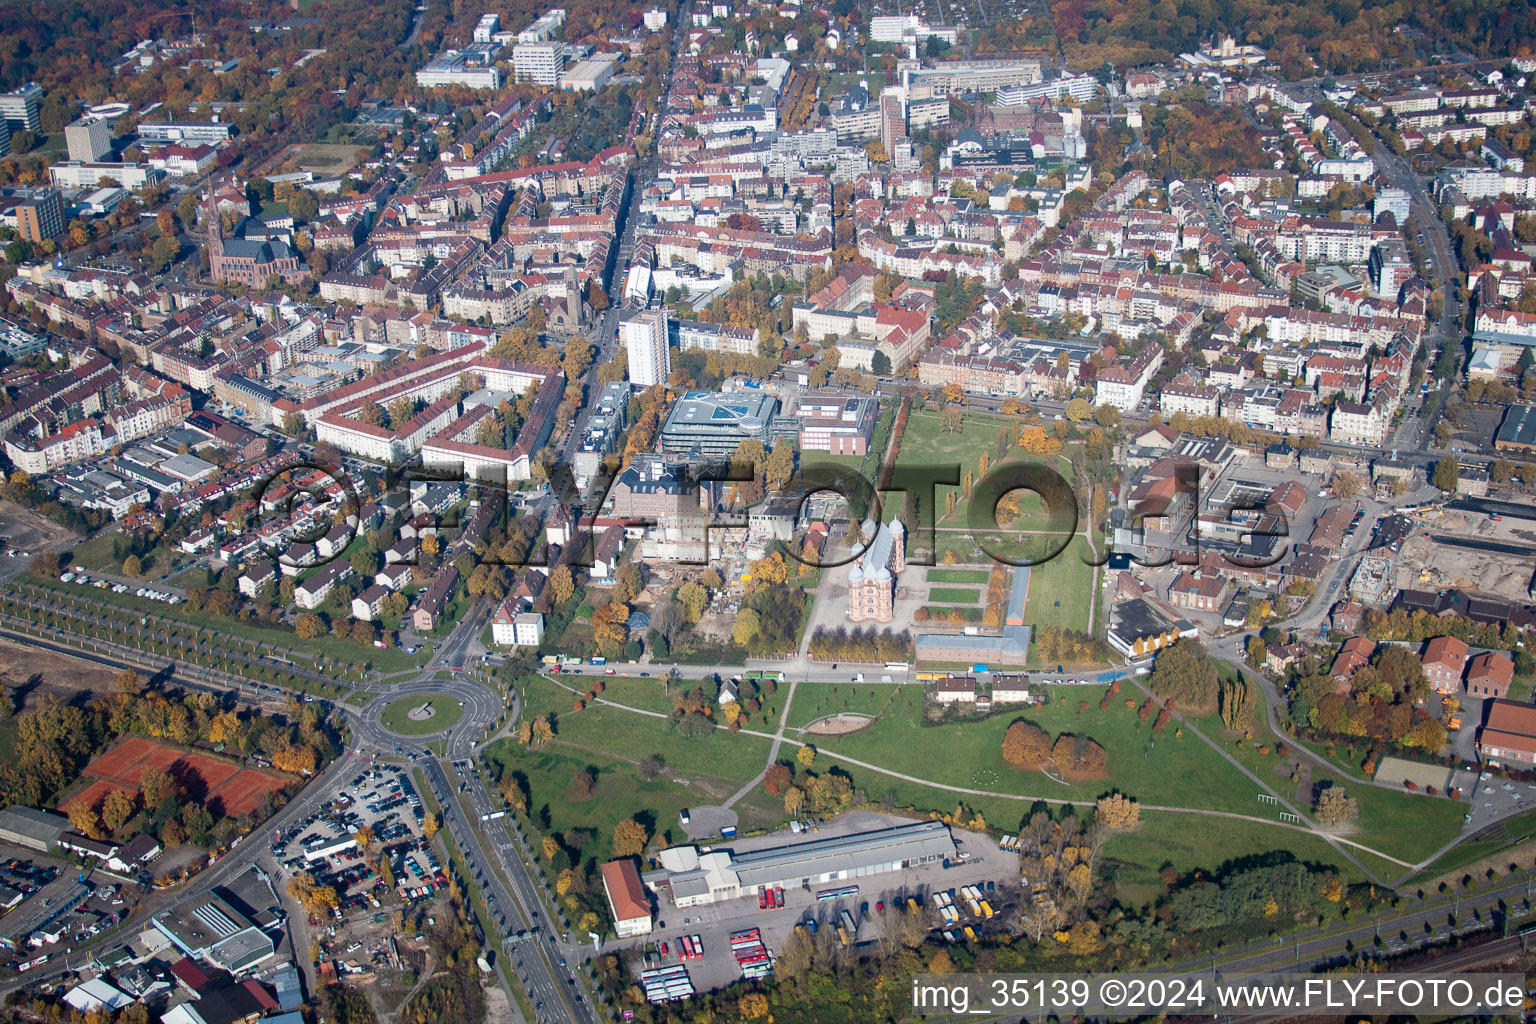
(1026, 746)
(806, 757)
(752, 1006)
(429, 825)
(629, 838)
(83, 819)
(309, 626)
(133, 567)
(154, 786)
(562, 586)
(1118, 813)
(116, 809)
(1335, 807)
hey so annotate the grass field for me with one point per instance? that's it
(957, 576)
(324, 157)
(631, 737)
(446, 713)
(954, 595)
(1408, 826)
(1061, 589)
(1153, 768)
(817, 700)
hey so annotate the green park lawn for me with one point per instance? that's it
(620, 793)
(954, 595)
(628, 736)
(1155, 769)
(446, 713)
(1408, 826)
(1061, 590)
(818, 700)
(957, 576)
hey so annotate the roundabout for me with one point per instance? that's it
(421, 714)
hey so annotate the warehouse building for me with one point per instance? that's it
(31, 828)
(692, 878)
(211, 929)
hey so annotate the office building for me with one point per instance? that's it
(645, 340)
(627, 899)
(486, 28)
(712, 424)
(89, 139)
(78, 174)
(5, 138)
(459, 67)
(543, 28)
(19, 108)
(539, 63)
(206, 133)
(39, 215)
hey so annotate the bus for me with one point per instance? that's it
(599, 661)
(896, 666)
(827, 895)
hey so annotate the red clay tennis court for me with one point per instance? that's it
(93, 795)
(246, 790)
(125, 763)
(209, 780)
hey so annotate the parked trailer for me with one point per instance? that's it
(1003, 843)
(848, 922)
(842, 935)
(986, 909)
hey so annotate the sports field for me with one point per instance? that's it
(220, 785)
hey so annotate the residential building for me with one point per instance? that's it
(1489, 675)
(645, 341)
(1445, 658)
(1509, 734)
(40, 215)
(628, 901)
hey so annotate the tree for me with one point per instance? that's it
(693, 598)
(429, 825)
(629, 838)
(1335, 807)
(1446, 473)
(1078, 410)
(164, 252)
(1184, 673)
(880, 364)
(154, 786)
(952, 419)
(1026, 746)
(746, 627)
(83, 818)
(116, 809)
(132, 567)
(309, 626)
(562, 586)
(806, 757)
(1117, 813)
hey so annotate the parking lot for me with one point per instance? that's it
(59, 912)
(383, 801)
(981, 862)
